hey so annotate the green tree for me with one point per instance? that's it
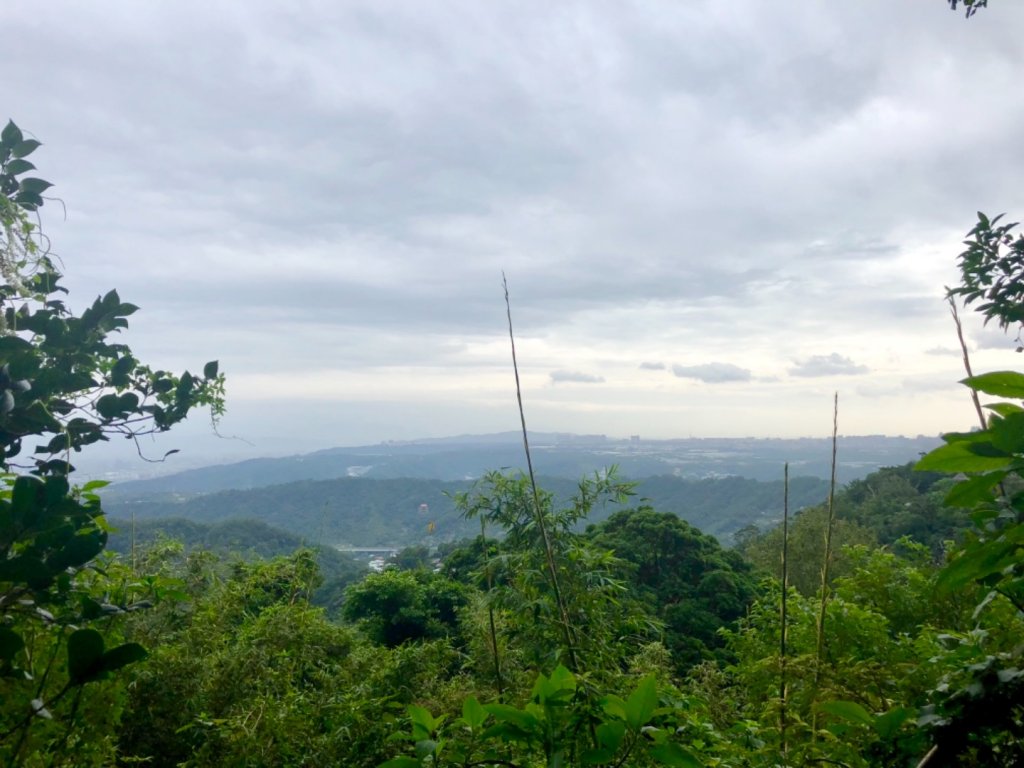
(395, 607)
(806, 545)
(682, 576)
(64, 384)
(592, 621)
(978, 715)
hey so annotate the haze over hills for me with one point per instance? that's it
(555, 455)
(397, 494)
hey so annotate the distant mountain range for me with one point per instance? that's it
(398, 494)
(554, 455)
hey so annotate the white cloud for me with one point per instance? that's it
(827, 365)
(575, 376)
(712, 373)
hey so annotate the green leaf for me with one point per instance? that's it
(26, 569)
(998, 383)
(973, 565)
(109, 406)
(641, 703)
(401, 762)
(425, 748)
(14, 167)
(10, 643)
(473, 713)
(34, 186)
(967, 493)
(25, 148)
(517, 717)
(122, 656)
(888, 723)
(85, 651)
(30, 200)
(1004, 409)
(77, 552)
(11, 135)
(961, 457)
(850, 711)
(423, 723)
(121, 370)
(9, 344)
(671, 753)
(26, 500)
(597, 756)
(611, 734)
(1008, 433)
(210, 369)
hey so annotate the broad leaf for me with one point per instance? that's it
(85, 651)
(641, 703)
(671, 753)
(473, 713)
(15, 167)
(848, 710)
(998, 383)
(517, 717)
(24, 148)
(10, 643)
(967, 493)
(122, 656)
(959, 457)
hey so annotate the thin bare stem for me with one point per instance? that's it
(538, 511)
(782, 610)
(826, 567)
(499, 683)
(967, 359)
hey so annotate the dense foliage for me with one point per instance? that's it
(681, 576)
(363, 511)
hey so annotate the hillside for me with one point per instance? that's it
(361, 511)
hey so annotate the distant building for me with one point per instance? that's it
(424, 509)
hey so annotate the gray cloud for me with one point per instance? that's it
(575, 376)
(827, 365)
(345, 192)
(712, 373)
(993, 338)
(645, 366)
(942, 351)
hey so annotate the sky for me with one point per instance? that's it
(711, 215)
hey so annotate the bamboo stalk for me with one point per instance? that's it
(499, 683)
(538, 512)
(784, 618)
(825, 571)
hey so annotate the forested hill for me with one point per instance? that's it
(360, 511)
(554, 455)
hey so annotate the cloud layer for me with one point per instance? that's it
(325, 196)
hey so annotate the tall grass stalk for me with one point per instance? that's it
(826, 567)
(498, 681)
(538, 511)
(782, 610)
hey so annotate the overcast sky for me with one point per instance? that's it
(712, 215)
